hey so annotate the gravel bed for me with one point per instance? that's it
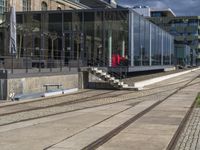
(135, 96)
(61, 109)
(104, 97)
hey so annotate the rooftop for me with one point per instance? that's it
(168, 11)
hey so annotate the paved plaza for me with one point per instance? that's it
(152, 117)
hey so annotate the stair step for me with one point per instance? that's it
(103, 73)
(107, 77)
(99, 71)
(111, 79)
(94, 69)
(115, 81)
(124, 85)
(121, 83)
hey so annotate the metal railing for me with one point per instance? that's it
(33, 61)
(38, 61)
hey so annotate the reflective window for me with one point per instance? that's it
(99, 37)
(137, 58)
(68, 21)
(116, 32)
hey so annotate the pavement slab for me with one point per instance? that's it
(74, 130)
(155, 130)
(85, 138)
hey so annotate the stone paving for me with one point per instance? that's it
(50, 131)
(190, 137)
(155, 129)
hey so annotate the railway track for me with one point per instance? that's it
(89, 102)
(97, 143)
(26, 105)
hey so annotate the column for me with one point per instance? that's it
(123, 48)
(110, 47)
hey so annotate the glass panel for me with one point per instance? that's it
(68, 48)
(68, 21)
(116, 27)
(93, 28)
(55, 23)
(2, 43)
(142, 41)
(136, 22)
(77, 21)
(153, 44)
(89, 26)
(146, 55)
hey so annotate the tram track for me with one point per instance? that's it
(75, 101)
(91, 104)
(93, 101)
(81, 100)
(102, 140)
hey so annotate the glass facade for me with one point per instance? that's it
(103, 37)
(185, 29)
(152, 45)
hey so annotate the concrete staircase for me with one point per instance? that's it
(107, 77)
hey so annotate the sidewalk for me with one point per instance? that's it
(153, 131)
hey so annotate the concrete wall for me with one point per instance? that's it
(35, 84)
(97, 83)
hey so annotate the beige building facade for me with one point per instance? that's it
(37, 5)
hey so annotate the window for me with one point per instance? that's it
(59, 8)
(2, 6)
(26, 5)
(44, 6)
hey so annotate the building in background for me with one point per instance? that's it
(38, 5)
(143, 10)
(183, 55)
(100, 3)
(146, 11)
(155, 12)
(185, 29)
(3, 8)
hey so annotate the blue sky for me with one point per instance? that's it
(180, 7)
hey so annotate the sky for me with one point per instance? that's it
(180, 7)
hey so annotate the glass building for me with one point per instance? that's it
(185, 29)
(103, 37)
